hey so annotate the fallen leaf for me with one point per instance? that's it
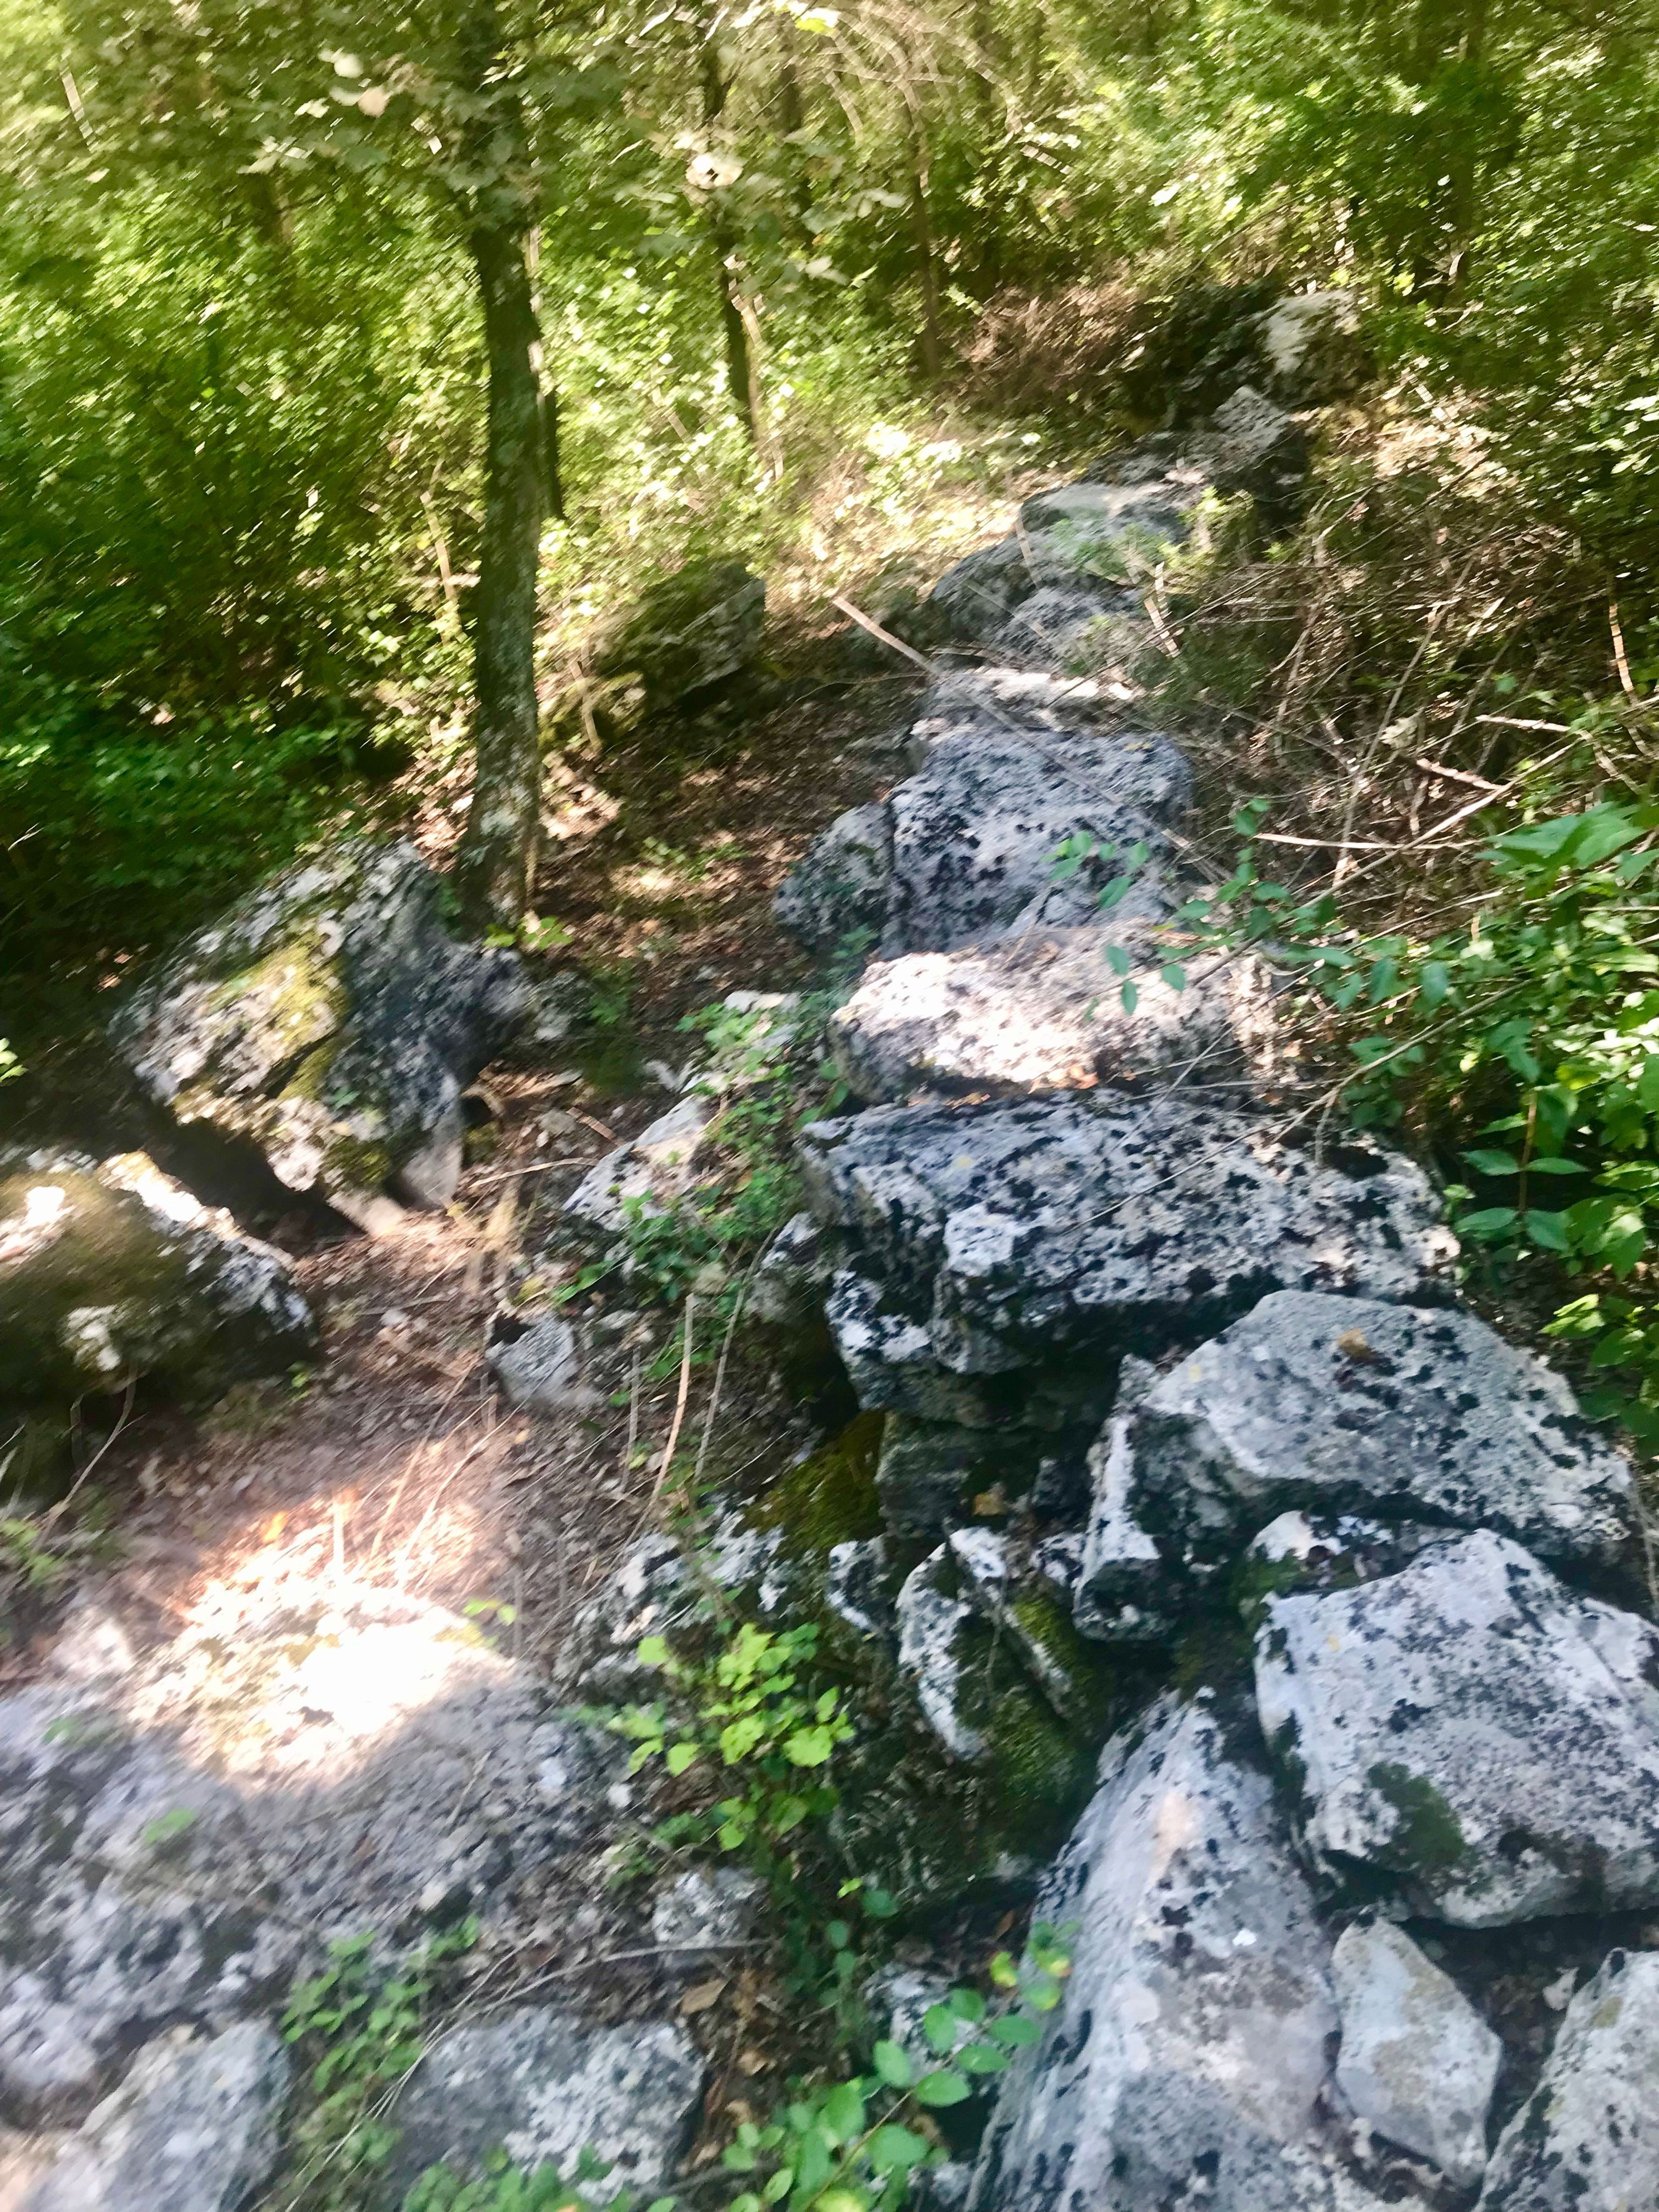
(700, 1998)
(753, 2062)
(1351, 1345)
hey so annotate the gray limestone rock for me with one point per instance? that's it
(1329, 1551)
(929, 1471)
(1044, 1011)
(540, 1369)
(1340, 1404)
(647, 1173)
(544, 2086)
(691, 633)
(653, 1591)
(843, 882)
(1472, 1732)
(707, 1910)
(998, 1238)
(788, 1286)
(1145, 518)
(1251, 446)
(975, 595)
(1587, 2138)
(1032, 1624)
(191, 2128)
(329, 1022)
(181, 1832)
(1058, 626)
(1311, 346)
(934, 1653)
(1124, 1592)
(857, 1590)
(1183, 2061)
(110, 1272)
(1417, 2061)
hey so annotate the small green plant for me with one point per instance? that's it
(504, 2187)
(853, 2146)
(363, 2028)
(750, 1711)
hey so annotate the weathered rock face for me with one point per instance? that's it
(1191, 2042)
(1043, 1011)
(710, 1910)
(843, 882)
(647, 1173)
(111, 1272)
(177, 1834)
(998, 1238)
(329, 1022)
(1417, 2060)
(541, 1369)
(1471, 1733)
(1311, 346)
(690, 635)
(1347, 1405)
(191, 2128)
(1588, 2136)
(544, 2086)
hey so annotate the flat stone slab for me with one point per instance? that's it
(1587, 2138)
(1184, 2060)
(329, 1022)
(191, 2128)
(1042, 1010)
(544, 2085)
(1472, 1733)
(1417, 2060)
(1345, 1405)
(1003, 1236)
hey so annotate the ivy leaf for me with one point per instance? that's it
(945, 2087)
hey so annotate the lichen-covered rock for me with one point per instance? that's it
(1124, 1591)
(1060, 625)
(1251, 446)
(1010, 764)
(1328, 1551)
(540, 1367)
(647, 1173)
(111, 1272)
(843, 882)
(1044, 1011)
(329, 1022)
(1037, 1630)
(1472, 1733)
(1189, 2046)
(1344, 1405)
(191, 2128)
(707, 1910)
(181, 1832)
(1311, 346)
(691, 634)
(1417, 2061)
(787, 1288)
(1006, 1237)
(934, 1653)
(1147, 517)
(930, 1472)
(544, 2086)
(1587, 2138)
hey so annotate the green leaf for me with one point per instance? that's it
(1174, 974)
(1549, 1231)
(1435, 985)
(1130, 996)
(737, 2158)
(680, 1756)
(809, 1747)
(844, 2111)
(895, 2151)
(941, 2027)
(1118, 960)
(945, 2087)
(981, 2058)
(651, 1651)
(893, 2065)
(778, 2186)
(1016, 2032)
(1493, 1162)
(967, 2004)
(1552, 1167)
(1488, 1222)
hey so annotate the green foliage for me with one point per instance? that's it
(1541, 1001)
(362, 2029)
(854, 2145)
(503, 2187)
(752, 1712)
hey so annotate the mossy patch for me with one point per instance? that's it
(829, 1498)
(1428, 1836)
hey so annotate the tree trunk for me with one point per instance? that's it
(739, 359)
(497, 858)
(922, 225)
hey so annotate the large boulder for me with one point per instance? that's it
(1185, 2059)
(1011, 765)
(691, 636)
(327, 1025)
(193, 2128)
(989, 1241)
(1587, 2138)
(110, 1273)
(544, 2086)
(1335, 1405)
(1044, 1011)
(1469, 1734)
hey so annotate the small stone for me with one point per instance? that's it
(1472, 1732)
(649, 1172)
(544, 2086)
(707, 1909)
(1417, 2060)
(1587, 2138)
(191, 2128)
(539, 1370)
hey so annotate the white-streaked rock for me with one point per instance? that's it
(1417, 2060)
(649, 1172)
(933, 1653)
(1473, 1732)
